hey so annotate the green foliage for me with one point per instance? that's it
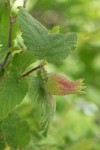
(43, 44)
(15, 60)
(76, 122)
(4, 19)
(16, 131)
(4, 29)
(38, 93)
(12, 92)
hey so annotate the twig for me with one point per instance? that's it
(44, 71)
(9, 36)
(30, 71)
(5, 60)
(12, 20)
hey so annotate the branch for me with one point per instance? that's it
(12, 20)
(30, 71)
(9, 36)
(5, 60)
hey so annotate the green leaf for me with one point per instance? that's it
(4, 27)
(16, 131)
(53, 47)
(54, 30)
(12, 92)
(23, 59)
(4, 30)
(38, 93)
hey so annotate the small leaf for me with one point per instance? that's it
(54, 30)
(12, 92)
(52, 47)
(16, 131)
(38, 93)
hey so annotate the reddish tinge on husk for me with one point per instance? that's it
(57, 84)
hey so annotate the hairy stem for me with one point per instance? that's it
(5, 60)
(10, 32)
(30, 71)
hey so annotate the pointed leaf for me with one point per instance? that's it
(55, 29)
(53, 47)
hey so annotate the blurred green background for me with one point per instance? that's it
(76, 123)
